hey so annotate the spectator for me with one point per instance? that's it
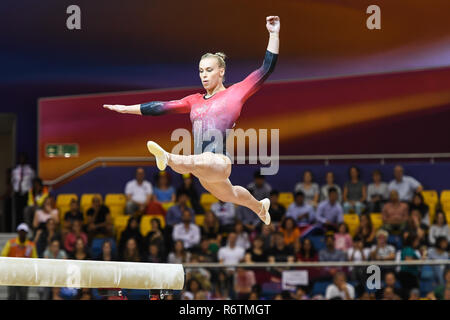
(309, 188)
(249, 219)
(395, 214)
(22, 181)
(6, 198)
(242, 239)
(44, 236)
(179, 255)
(266, 235)
(74, 214)
(42, 215)
(357, 253)
(175, 212)
(276, 209)
(329, 212)
(164, 192)
(19, 247)
(226, 213)
(259, 188)
(418, 203)
(36, 197)
(389, 294)
(299, 210)
(107, 253)
(256, 253)
(188, 187)
(153, 253)
(405, 186)
(307, 253)
(222, 287)
(132, 231)
(211, 228)
(439, 252)
(193, 287)
(439, 228)
(329, 177)
(355, 193)
(290, 231)
(366, 231)
(187, 231)
(231, 253)
(415, 226)
(73, 235)
(244, 280)
(342, 239)
(382, 251)
(80, 252)
(440, 290)
(392, 289)
(155, 234)
(139, 193)
(300, 293)
(131, 251)
(377, 192)
(99, 222)
(340, 288)
(409, 275)
(330, 253)
(54, 250)
(205, 253)
(280, 252)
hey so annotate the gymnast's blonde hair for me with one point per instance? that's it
(220, 56)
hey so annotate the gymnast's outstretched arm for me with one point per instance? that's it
(153, 108)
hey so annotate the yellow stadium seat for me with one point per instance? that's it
(120, 224)
(63, 203)
(446, 208)
(430, 197)
(352, 222)
(207, 199)
(377, 220)
(145, 226)
(199, 218)
(116, 203)
(167, 205)
(286, 198)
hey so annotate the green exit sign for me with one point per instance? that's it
(66, 150)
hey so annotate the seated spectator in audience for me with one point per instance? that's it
(419, 204)
(259, 188)
(226, 213)
(187, 231)
(266, 234)
(107, 253)
(389, 294)
(156, 235)
(211, 228)
(54, 250)
(290, 231)
(357, 253)
(309, 188)
(99, 221)
(377, 192)
(366, 231)
(244, 280)
(131, 251)
(164, 193)
(222, 287)
(205, 252)
(231, 253)
(415, 226)
(139, 193)
(74, 214)
(43, 214)
(276, 209)
(131, 231)
(340, 288)
(342, 239)
(256, 253)
(188, 187)
(382, 250)
(249, 219)
(329, 212)
(36, 198)
(395, 214)
(44, 236)
(254, 296)
(440, 290)
(307, 253)
(299, 210)
(405, 186)
(179, 255)
(391, 289)
(329, 178)
(439, 228)
(153, 254)
(175, 212)
(75, 233)
(242, 239)
(439, 252)
(355, 193)
(300, 293)
(409, 275)
(80, 252)
(330, 253)
(280, 252)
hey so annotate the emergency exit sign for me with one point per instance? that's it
(61, 150)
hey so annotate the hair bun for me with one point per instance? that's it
(221, 54)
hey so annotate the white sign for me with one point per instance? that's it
(290, 279)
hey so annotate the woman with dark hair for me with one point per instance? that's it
(179, 254)
(211, 228)
(163, 191)
(131, 251)
(439, 228)
(309, 188)
(416, 227)
(309, 254)
(222, 286)
(377, 192)
(81, 251)
(132, 231)
(154, 254)
(107, 253)
(256, 252)
(409, 275)
(366, 231)
(188, 187)
(419, 204)
(290, 231)
(355, 194)
(44, 236)
(156, 235)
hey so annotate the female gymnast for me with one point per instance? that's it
(215, 111)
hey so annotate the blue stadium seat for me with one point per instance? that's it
(396, 241)
(136, 294)
(425, 286)
(318, 242)
(320, 287)
(269, 289)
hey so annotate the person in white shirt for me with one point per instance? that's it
(139, 193)
(186, 231)
(439, 228)
(226, 213)
(22, 180)
(340, 288)
(406, 186)
(231, 254)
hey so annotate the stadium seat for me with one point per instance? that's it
(120, 224)
(145, 225)
(352, 222)
(167, 205)
(86, 202)
(269, 289)
(320, 287)
(199, 218)
(206, 200)
(445, 195)
(63, 203)
(286, 198)
(430, 197)
(318, 242)
(377, 220)
(116, 203)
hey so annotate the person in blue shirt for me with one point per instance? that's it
(329, 213)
